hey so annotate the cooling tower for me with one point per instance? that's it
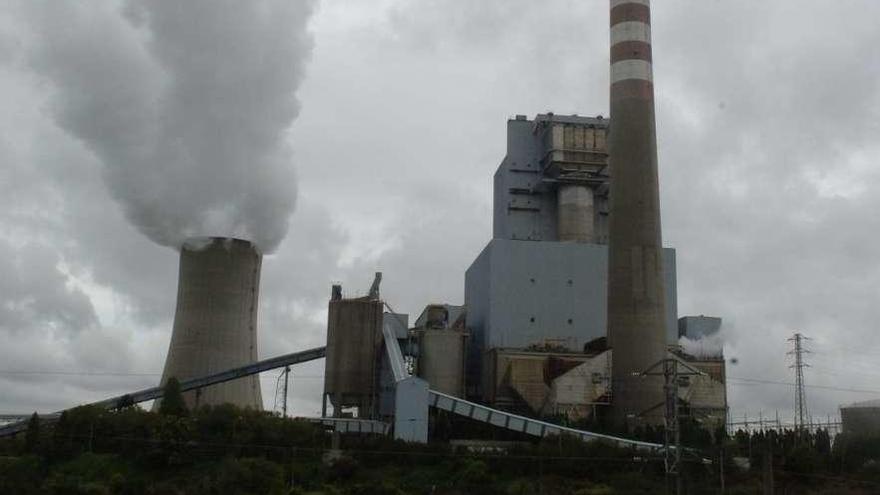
(215, 324)
(636, 312)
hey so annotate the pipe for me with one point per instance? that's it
(575, 213)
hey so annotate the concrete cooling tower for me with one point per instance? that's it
(215, 324)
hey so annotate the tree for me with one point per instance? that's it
(61, 439)
(172, 400)
(32, 435)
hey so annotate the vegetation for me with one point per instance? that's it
(225, 450)
(172, 403)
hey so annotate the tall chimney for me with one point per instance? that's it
(215, 324)
(636, 311)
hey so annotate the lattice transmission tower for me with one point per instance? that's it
(674, 373)
(281, 386)
(801, 416)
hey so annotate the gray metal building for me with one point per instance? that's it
(527, 287)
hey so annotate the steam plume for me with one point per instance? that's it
(185, 104)
(706, 346)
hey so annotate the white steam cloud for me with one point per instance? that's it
(185, 103)
(706, 346)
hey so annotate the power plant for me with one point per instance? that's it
(572, 303)
(568, 311)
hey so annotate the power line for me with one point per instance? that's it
(75, 373)
(853, 365)
(790, 384)
(854, 350)
(842, 373)
(107, 373)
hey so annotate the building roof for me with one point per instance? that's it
(866, 404)
(572, 119)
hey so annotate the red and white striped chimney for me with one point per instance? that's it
(636, 293)
(631, 71)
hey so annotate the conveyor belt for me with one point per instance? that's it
(225, 376)
(503, 419)
(455, 405)
(522, 424)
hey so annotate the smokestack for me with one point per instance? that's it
(636, 295)
(215, 324)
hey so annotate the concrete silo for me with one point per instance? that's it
(354, 344)
(442, 344)
(215, 324)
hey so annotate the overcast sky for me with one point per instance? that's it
(768, 121)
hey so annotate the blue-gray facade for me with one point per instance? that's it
(522, 293)
(526, 287)
(525, 205)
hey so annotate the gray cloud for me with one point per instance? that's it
(36, 294)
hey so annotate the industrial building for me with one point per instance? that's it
(535, 285)
(569, 305)
(861, 418)
(574, 298)
(354, 340)
(440, 339)
(698, 327)
(548, 384)
(532, 336)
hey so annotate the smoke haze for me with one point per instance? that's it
(185, 104)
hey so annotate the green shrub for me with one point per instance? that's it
(250, 476)
(372, 489)
(596, 490)
(470, 472)
(343, 468)
(20, 475)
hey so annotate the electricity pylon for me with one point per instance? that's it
(800, 398)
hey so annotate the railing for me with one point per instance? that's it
(353, 425)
